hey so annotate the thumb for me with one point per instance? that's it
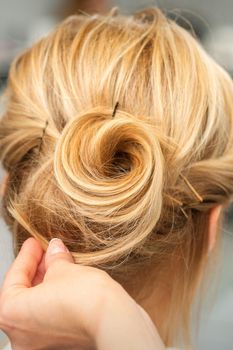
(57, 251)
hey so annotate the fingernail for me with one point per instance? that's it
(56, 246)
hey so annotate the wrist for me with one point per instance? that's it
(105, 325)
(97, 311)
(124, 325)
(116, 327)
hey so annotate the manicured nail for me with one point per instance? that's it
(56, 246)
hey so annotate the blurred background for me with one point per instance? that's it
(24, 21)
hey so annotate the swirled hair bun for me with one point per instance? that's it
(128, 189)
(112, 170)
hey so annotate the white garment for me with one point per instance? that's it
(7, 346)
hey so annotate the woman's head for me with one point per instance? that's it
(128, 190)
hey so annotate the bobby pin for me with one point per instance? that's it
(192, 188)
(174, 199)
(115, 109)
(43, 133)
(183, 211)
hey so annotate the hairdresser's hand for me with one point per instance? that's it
(48, 302)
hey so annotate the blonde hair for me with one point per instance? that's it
(114, 188)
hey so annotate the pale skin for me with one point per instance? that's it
(48, 302)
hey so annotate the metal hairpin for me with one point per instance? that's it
(46, 124)
(115, 109)
(42, 136)
(197, 195)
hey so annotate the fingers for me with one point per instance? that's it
(31, 264)
(57, 251)
(23, 269)
(39, 276)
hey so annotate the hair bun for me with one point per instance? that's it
(112, 168)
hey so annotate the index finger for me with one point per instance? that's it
(24, 267)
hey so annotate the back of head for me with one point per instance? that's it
(128, 190)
